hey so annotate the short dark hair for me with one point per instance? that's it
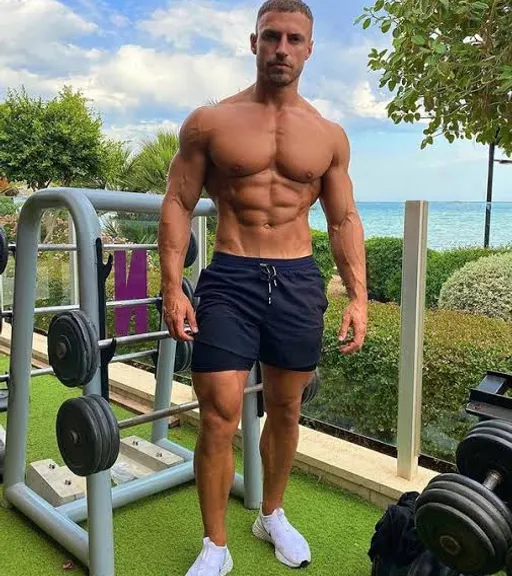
(285, 6)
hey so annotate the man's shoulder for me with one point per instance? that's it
(207, 116)
(333, 128)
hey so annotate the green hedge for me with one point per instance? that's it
(360, 392)
(384, 268)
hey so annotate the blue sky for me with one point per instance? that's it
(146, 65)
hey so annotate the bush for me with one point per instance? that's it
(360, 392)
(442, 265)
(322, 255)
(384, 268)
(481, 287)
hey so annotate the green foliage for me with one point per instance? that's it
(384, 268)
(441, 266)
(42, 142)
(149, 168)
(116, 167)
(450, 63)
(481, 287)
(360, 392)
(322, 255)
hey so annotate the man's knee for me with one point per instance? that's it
(220, 397)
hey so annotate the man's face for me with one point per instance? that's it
(282, 45)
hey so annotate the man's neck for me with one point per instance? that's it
(277, 96)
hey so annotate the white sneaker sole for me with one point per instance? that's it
(259, 531)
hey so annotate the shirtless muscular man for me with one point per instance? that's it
(264, 156)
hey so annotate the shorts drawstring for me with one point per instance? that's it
(269, 273)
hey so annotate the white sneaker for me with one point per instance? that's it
(290, 546)
(213, 560)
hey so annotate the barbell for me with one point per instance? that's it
(73, 345)
(88, 433)
(465, 519)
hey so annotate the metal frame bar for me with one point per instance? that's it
(95, 548)
(74, 248)
(116, 359)
(69, 307)
(412, 331)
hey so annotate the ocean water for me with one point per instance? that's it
(450, 224)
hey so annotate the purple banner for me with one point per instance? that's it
(129, 287)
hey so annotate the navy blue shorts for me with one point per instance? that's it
(257, 309)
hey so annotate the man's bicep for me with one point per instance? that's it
(187, 171)
(337, 195)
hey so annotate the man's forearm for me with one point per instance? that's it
(348, 249)
(173, 240)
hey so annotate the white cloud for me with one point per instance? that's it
(37, 32)
(228, 27)
(366, 104)
(137, 133)
(136, 76)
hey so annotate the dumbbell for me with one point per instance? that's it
(464, 518)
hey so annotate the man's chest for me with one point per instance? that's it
(289, 145)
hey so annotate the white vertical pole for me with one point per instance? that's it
(199, 225)
(411, 345)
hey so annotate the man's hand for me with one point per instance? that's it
(176, 309)
(355, 316)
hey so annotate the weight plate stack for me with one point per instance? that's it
(464, 525)
(73, 348)
(87, 435)
(488, 447)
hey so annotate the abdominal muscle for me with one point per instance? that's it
(264, 216)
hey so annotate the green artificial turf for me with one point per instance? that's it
(161, 535)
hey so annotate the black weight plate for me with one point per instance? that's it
(192, 251)
(492, 431)
(72, 355)
(494, 423)
(480, 452)
(456, 540)
(188, 289)
(478, 509)
(78, 436)
(103, 429)
(94, 358)
(479, 489)
(112, 447)
(4, 250)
